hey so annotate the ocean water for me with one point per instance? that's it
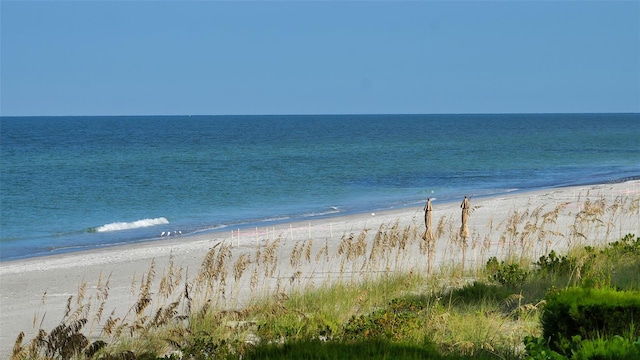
(74, 183)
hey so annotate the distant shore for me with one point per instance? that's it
(24, 282)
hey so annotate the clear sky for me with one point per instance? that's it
(322, 57)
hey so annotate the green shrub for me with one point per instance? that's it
(506, 274)
(399, 320)
(615, 265)
(625, 246)
(615, 348)
(554, 265)
(296, 325)
(538, 349)
(590, 314)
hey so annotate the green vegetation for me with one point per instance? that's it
(505, 309)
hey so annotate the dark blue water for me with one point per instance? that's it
(71, 183)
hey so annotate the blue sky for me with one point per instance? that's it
(322, 57)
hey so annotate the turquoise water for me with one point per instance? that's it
(72, 183)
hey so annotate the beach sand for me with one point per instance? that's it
(35, 291)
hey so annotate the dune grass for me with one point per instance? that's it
(371, 298)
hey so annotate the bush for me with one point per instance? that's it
(538, 349)
(554, 265)
(590, 314)
(616, 348)
(506, 274)
(625, 246)
(399, 320)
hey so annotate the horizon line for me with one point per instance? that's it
(320, 114)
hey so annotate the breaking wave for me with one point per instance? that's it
(130, 225)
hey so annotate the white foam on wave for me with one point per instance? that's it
(132, 225)
(332, 210)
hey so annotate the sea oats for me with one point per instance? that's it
(296, 254)
(18, 351)
(240, 266)
(307, 253)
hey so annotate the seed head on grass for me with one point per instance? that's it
(296, 254)
(68, 308)
(207, 266)
(171, 279)
(240, 266)
(144, 297)
(377, 248)
(97, 318)
(253, 284)
(82, 291)
(307, 252)
(324, 251)
(18, 351)
(268, 257)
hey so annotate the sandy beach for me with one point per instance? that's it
(35, 291)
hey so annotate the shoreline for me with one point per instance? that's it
(25, 281)
(302, 218)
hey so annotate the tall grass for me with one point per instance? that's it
(286, 291)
